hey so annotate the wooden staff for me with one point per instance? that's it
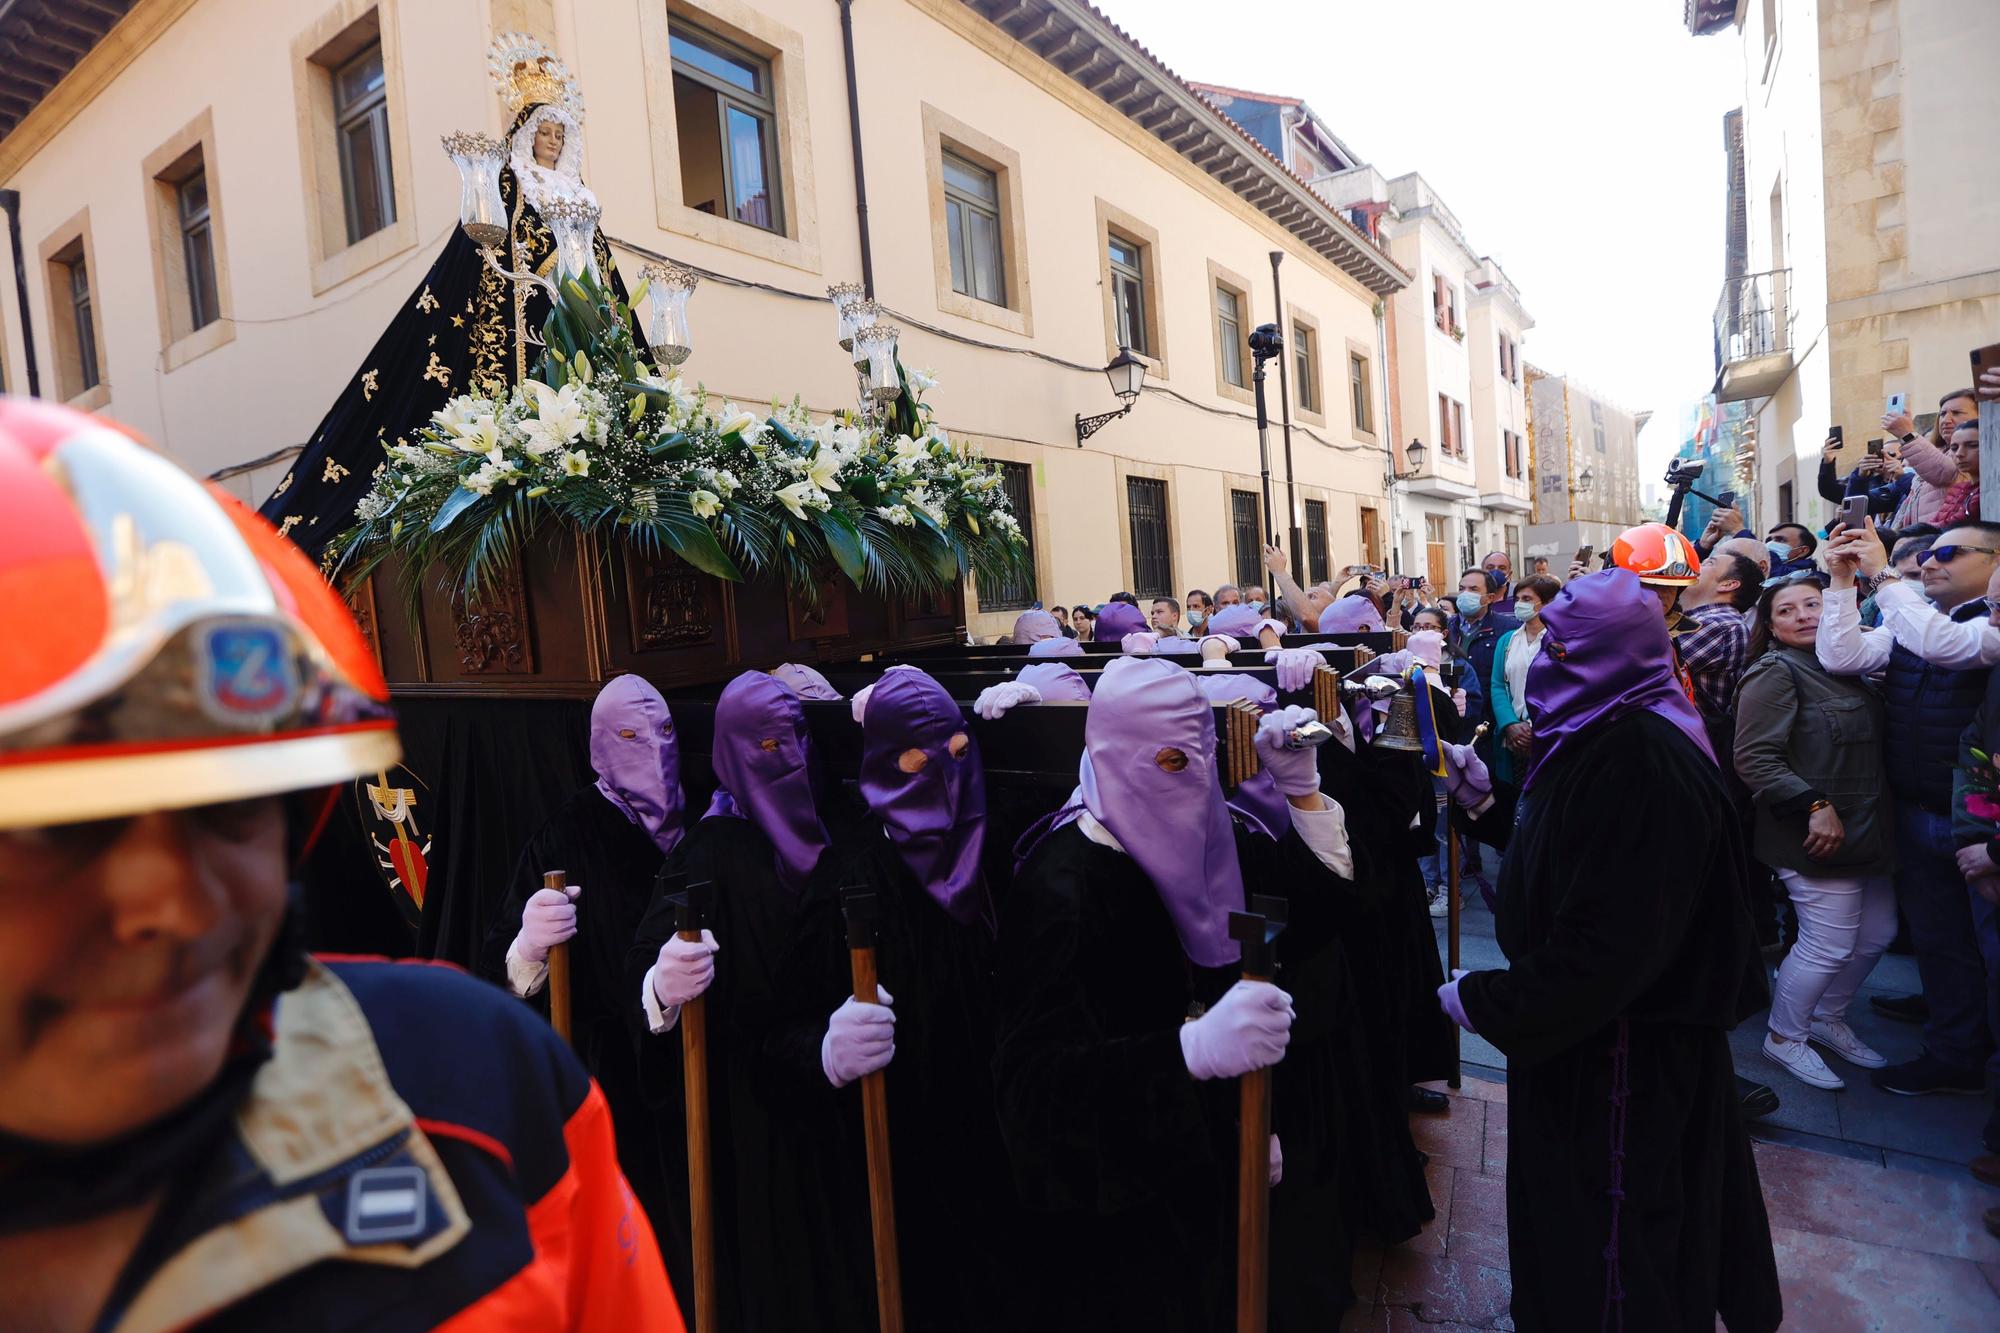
(691, 910)
(862, 911)
(1256, 930)
(558, 964)
(1452, 909)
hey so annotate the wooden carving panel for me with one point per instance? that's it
(831, 619)
(492, 629)
(668, 603)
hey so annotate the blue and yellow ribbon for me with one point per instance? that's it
(1427, 731)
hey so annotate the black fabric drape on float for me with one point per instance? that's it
(490, 772)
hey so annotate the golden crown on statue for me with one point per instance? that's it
(526, 72)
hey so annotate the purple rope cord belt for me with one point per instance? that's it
(1614, 1286)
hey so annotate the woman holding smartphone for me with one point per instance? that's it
(1809, 748)
(1512, 657)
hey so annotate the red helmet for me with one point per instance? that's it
(161, 646)
(1658, 554)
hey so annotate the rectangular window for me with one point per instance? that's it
(1304, 359)
(1152, 557)
(1318, 559)
(1128, 292)
(1229, 331)
(198, 249)
(972, 226)
(1246, 538)
(1018, 480)
(83, 323)
(1785, 502)
(1357, 393)
(1458, 428)
(726, 116)
(361, 129)
(1371, 536)
(1513, 545)
(1438, 290)
(1437, 552)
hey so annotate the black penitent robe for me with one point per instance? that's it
(1350, 1166)
(1625, 917)
(793, 1246)
(1398, 969)
(614, 861)
(1126, 1164)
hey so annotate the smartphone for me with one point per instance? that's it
(1874, 448)
(1583, 554)
(1833, 433)
(1898, 404)
(1726, 500)
(1854, 513)
(1983, 360)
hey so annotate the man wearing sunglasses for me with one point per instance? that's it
(1934, 652)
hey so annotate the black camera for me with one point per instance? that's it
(1684, 471)
(1266, 342)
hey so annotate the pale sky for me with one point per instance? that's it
(1578, 141)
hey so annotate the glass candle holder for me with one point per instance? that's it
(668, 334)
(573, 223)
(844, 295)
(876, 343)
(479, 157)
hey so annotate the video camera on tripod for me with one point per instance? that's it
(1682, 474)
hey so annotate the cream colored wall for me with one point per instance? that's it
(294, 350)
(1497, 403)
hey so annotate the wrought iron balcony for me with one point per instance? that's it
(1753, 335)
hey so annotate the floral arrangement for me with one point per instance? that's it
(603, 440)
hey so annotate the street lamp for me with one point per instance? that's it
(1414, 453)
(1583, 481)
(1127, 374)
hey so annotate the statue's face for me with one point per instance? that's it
(548, 142)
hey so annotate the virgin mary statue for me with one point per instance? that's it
(466, 327)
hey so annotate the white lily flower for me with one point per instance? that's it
(898, 514)
(922, 380)
(485, 479)
(706, 504)
(726, 483)
(575, 463)
(559, 417)
(476, 435)
(795, 497)
(822, 469)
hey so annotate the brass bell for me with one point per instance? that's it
(1398, 731)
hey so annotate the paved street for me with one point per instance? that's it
(1876, 1221)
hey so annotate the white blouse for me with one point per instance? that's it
(1521, 653)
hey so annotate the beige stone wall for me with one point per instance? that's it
(303, 318)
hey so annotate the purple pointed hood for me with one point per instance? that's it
(804, 681)
(922, 777)
(761, 759)
(1237, 621)
(1055, 681)
(1055, 648)
(1034, 626)
(1349, 615)
(1605, 654)
(1118, 619)
(1149, 775)
(637, 757)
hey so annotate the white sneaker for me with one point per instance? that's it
(1802, 1062)
(1439, 899)
(1836, 1036)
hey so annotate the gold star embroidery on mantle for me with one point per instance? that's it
(458, 321)
(284, 485)
(333, 471)
(439, 371)
(371, 380)
(285, 528)
(433, 341)
(426, 302)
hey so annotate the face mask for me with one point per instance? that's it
(1525, 610)
(1257, 602)
(1196, 617)
(1779, 551)
(1468, 602)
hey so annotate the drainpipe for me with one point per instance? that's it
(854, 135)
(1389, 431)
(10, 200)
(1285, 402)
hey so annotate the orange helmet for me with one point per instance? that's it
(1658, 554)
(161, 646)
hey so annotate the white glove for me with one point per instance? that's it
(1277, 1161)
(994, 701)
(547, 920)
(860, 1039)
(684, 969)
(1139, 641)
(858, 705)
(1395, 664)
(1248, 1028)
(1295, 666)
(1458, 701)
(1215, 649)
(1295, 772)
